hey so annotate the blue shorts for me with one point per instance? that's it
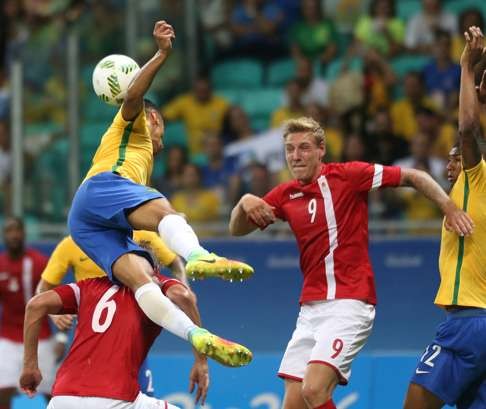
(98, 218)
(453, 366)
(145, 379)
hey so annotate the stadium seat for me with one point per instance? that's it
(260, 123)
(232, 95)
(280, 72)
(406, 9)
(175, 134)
(237, 74)
(261, 102)
(335, 67)
(87, 74)
(402, 65)
(458, 6)
(93, 109)
(91, 133)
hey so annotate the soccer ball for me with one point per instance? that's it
(112, 76)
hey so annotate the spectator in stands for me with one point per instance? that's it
(196, 202)
(219, 172)
(442, 75)
(314, 89)
(354, 149)
(215, 20)
(416, 206)
(201, 110)
(314, 37)
(379, 78)
(347, 90)
(5, 165)
(176, 160)
(256, 179)
(381, 29)
(403, 111)
(441, 134)
(294, 107)
(422, 27)
(236, 125)
(382, 144)
(468, 18)
(256, 27)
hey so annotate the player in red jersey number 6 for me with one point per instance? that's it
(326, 207)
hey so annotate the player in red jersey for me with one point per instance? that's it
(326, 208)
(20, 271)
(112, 339)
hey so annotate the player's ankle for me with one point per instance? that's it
(195, 254)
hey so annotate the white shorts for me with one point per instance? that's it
(80, 402)
(11, 362)
(329, 333)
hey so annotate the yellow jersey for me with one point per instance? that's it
(462, 260)
(125, 148)
(67, 255)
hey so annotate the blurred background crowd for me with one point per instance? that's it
(381, 76)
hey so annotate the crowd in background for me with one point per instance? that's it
(384, 85)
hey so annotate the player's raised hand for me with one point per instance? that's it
(199, 377)
(257, 210)
(474, 48)
(29, 381)
(458, 221)
(163, 35)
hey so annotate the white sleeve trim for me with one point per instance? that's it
(377, 177)
(77, 292)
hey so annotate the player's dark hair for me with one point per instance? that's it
(150, 105)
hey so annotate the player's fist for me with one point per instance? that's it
(63, 322)
(163, 35)
(29, 381)
(257, 210)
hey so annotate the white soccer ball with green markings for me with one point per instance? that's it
(111, 77)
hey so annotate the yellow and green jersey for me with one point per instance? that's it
(462, 260)
(125, 148)
(68, 255)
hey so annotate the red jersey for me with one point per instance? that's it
(329, 218)
(112, 339)
(18, 281)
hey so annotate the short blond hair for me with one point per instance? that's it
(304, 124)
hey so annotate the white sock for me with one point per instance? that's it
(179, 236)
(162, 311)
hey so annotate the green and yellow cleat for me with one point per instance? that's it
(210, 265)
(221, 350)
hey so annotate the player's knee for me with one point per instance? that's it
(132, 270)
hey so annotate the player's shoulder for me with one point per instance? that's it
(93, 284)
(283, 188)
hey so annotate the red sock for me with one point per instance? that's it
(328, 405)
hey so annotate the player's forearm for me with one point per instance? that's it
(133, 102)
(424, 184)
(468, 102)
(239, 225)
(44, 286)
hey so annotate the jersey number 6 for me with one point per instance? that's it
(103, 304)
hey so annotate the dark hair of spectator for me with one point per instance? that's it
(374, 4)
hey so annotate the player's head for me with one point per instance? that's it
(454, 164)
(14, 235)
(304, 148)
(155, 123)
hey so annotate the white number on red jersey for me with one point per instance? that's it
(109, 305)
(312, 207)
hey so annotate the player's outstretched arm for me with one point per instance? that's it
(250, 213)
(133, 103)
(37, 308)
(470, 135)
(456, 219)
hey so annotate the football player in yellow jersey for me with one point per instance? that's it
(453, 368)
(114, 200)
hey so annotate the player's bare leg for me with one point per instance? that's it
(159, 216)
(6, 395)
(318, 385)
(134, 271)
(293, 395)
(420, 398)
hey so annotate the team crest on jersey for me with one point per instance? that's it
(296, 195)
